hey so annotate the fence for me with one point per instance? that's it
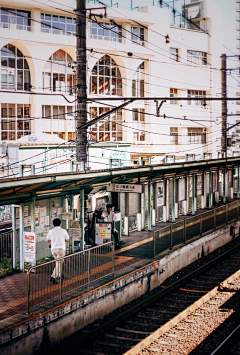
(5, 250)
(180, 232)
(76, 270)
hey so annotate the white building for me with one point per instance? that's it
(130, 53)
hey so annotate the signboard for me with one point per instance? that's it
(125, 188)
(75, 232)
(181, 190)
(67, 216)
(160, 194)
(199, 185)
(214, 182)
(29, 241)
(103, 233)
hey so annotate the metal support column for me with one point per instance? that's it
(167, 199)
(224, 184)
(143, 207)
(21, 230)
(238, 182)
(187, 193)
(210, 191)
(224, 104)
(81, 222)
(149, 206)
(126, 218)
(173, 199)
(14, 236)
(193, 193)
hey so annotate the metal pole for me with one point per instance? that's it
(224, 104)
(173, 199)
(14, 236)
(81, 89)
(193, 194)
(21, 230)
(82, 217)
(149, 206)
(238, 182)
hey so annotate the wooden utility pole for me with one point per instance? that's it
(81, 83)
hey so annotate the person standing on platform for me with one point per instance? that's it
(109, 216)
(58, 238)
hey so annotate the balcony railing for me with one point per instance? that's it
(14, 26)
(58, 32)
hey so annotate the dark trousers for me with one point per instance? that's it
(115, 234)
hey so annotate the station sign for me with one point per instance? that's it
(133, 188)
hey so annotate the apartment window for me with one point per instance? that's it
(138, 84)
(138, 115)
(196, 136)
(57, 76)
(15, 73)
(138, 35)
(174, 135)
(105, 31)
(138, 137)
(106, 78)
(174, 54)
(197, 94)
(197, 57)
(58, 24)
(58, 120)
(108, 129)
(16, 19)
(173, 93)
(15, 121)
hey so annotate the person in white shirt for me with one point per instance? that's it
(58, 238)
(109, 216)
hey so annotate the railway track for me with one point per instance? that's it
(137, 330)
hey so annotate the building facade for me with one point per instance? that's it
(139, 53)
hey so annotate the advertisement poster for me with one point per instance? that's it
(29, 240)
(67, 216)
(214, 182)
(160, 194)
(181, 189)
(199, 185)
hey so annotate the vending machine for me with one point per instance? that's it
(103, 232)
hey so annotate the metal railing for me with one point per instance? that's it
(5, 250)
(76, 270)
(189, 228)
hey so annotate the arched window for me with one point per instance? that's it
(15, 73)
(106, 78)
(57, 75)
(138, 82)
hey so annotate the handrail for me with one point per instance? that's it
(200, 219)
(74, 270)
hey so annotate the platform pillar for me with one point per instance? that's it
(21, 230)
(238, 182)
(126, 218)
(149, 206)
(167, 200)
(81, 221)
(210, 200)
(224, 185)
(193, 194)
(173, 199)
(187, 193)
(143, 207)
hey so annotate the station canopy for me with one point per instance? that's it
(21, 189)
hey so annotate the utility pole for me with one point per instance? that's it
(224, 104)
(81, 84)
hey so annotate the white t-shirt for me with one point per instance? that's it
(58, 237)
(109, 217)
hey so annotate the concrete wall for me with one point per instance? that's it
(66, 319)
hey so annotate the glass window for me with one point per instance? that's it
(197, 57)
(138, 84)
(108, 129)
(57, 75)
(20, 19)
(53, 120)
(173, 93)
(105, 31)
(197, 94)
(196, 136)
(174, 54)
(106, 78)
(15, 73)
(138, 35)
(173, 135)
(15, 121)
(58, 24)
(138, 115)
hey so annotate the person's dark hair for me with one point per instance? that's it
(109, 205)
(56, 222)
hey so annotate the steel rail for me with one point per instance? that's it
(99, 331)
(225, 341)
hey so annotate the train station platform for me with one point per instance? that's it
(136, 272)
